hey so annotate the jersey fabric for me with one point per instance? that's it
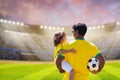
(58, 48)
(84, 51)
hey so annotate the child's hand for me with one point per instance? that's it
(94, 72)
(62, 71)
(73, 50)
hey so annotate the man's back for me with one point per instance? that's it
(84, 51)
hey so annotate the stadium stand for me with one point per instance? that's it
(9, 53)
(30, 42)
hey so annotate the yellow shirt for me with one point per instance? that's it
(57, 48)
(84, 51)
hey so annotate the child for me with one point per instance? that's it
(59, 41)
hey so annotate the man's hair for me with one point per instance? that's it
(81, 28)
(57, 37)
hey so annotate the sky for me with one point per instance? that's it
(61, 12)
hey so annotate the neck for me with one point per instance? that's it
(80, 37)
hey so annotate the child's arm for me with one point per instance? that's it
(67, 51)
(59, 62)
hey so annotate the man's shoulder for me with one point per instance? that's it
(85, 42)
(90, 43)
(72, 42)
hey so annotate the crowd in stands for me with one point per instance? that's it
(9, 53)
(14, 42)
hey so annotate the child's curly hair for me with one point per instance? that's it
(57, 37)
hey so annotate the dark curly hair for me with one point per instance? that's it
(57, 37)
(81, 27)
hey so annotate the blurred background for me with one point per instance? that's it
(27, 26)
(19, 41)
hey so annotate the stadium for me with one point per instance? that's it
(26, 49)
(28, 42)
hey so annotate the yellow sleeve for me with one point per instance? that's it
(95, 51)
(56, 49)
(66, 47)
(55, 52)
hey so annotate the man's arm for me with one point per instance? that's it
(59, 62)
(101, 63)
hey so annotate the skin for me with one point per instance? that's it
(101, 64)
(58, 64)
(59, 59)
(100, 58)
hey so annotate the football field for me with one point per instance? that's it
(21, 70)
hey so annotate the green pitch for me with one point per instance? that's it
(40, 71)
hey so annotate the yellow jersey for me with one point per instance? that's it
(84, 51)
(58, 48)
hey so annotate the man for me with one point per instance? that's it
(84, 51)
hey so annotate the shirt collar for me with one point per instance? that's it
(80, 39)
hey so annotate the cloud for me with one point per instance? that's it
(61, 12)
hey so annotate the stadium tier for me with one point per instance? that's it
(34, 42)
